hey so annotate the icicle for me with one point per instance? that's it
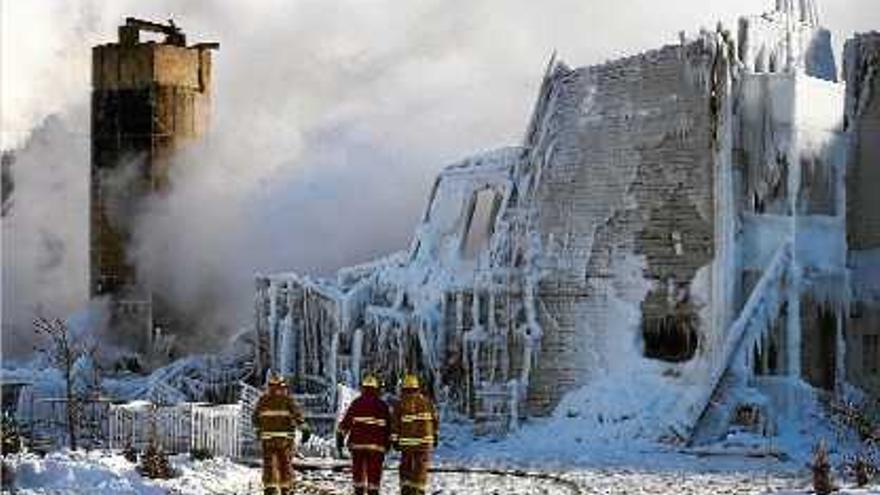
(331, 364)
(285, 361)
(439, 329)
(475, 309)
(401, 354)
(475, 359)
(272, 324)
(493, 325)
(357, 342)
(534, 327)
(428, 356)
(528, 351)
(513, 389)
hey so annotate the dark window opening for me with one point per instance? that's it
(671, 338)
(765, 359)
(819, 344)
(757, 203)
(870, 353)
(857, 310)
(761, 61)
(768, 355)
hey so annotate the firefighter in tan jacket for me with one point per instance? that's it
(276, 417)
(414, 431)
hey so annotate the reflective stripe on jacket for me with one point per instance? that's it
(276, 434)
(367, 423)
(415, 423)
(276, 415)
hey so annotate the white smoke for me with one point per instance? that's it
(45, 237)
(330, 120)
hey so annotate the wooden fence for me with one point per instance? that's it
(217, 429)
(179, 428)
(222, 430)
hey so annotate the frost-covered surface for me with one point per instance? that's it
(866, 274)
(639, 472)
(582, 433)
(788, 39)
(103, 473)
(695, 190)
(190, 379)
(125, 407)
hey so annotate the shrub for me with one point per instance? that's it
(155, 463)
(11, 439)
(200, 454)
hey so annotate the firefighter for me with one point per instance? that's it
(367, 423)
(276, 417)
(414, 431)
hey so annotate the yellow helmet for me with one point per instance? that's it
(276, 380)
(370, 381)
(410, 381)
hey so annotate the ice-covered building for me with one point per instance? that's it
(669, 241)
(862, 123)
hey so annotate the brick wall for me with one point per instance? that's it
(630, 162)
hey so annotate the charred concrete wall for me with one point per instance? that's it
(148, 99)
(625, 211)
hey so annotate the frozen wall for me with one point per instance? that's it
(862, 70)
(625, 210)
(673, 225)
(862, 67)
(788, 39)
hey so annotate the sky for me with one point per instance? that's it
(331, 119)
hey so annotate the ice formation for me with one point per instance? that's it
(673, 225)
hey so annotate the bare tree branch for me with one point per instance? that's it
(63, 351)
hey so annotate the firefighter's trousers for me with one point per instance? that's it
(277, 470)
(366, 470)
(414, 465)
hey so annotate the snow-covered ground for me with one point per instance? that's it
(573, 451)
(102, 473)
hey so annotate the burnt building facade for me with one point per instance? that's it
(666, 248)
(862, 121)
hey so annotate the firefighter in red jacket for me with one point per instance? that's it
(275, 418)
(367, 423)
(414, 431)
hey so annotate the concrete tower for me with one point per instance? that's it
(149, 98)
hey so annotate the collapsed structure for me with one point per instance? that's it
(674, 223)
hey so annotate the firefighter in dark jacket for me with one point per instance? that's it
(414, 431)
(276, 417)
(367, 424)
